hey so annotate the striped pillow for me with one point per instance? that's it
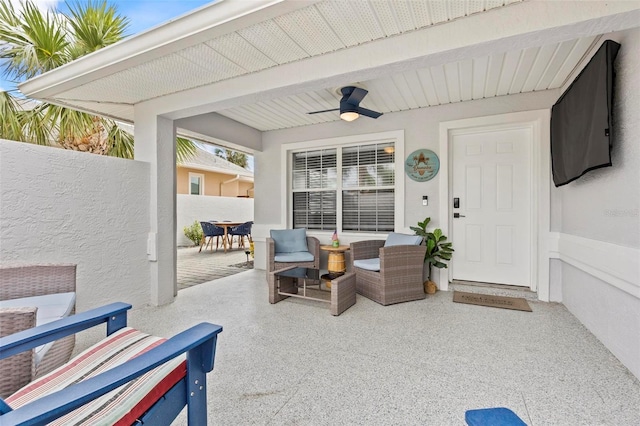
(120, 406)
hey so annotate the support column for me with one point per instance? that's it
(155, 143)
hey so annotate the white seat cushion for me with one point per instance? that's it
(51, 307)
(368, 264)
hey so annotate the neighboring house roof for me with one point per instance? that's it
(207, 161)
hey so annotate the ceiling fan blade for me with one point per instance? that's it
(369, 113)
(324, 110)
(357, 96)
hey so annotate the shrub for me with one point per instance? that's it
(194, 233)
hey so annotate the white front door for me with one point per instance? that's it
(492, 180)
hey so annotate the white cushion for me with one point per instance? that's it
(368, 264)
(290, 240)
(51, 307)
(396, 239)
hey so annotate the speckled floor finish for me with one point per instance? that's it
(415, 363)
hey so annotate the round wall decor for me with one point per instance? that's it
(422, 165)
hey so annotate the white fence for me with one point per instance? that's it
(192, 208)
(63, 206)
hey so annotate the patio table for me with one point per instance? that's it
(286, 282)
(226, 226)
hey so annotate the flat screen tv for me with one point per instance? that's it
(581, 119)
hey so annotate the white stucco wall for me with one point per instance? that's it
(611, 314)
(603, 290)
(604, 204)
(64, 206)
(202, 208)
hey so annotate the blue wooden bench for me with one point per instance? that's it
(148, 363)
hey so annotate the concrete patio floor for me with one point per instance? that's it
(416, 363)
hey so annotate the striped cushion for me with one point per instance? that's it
(120, 406)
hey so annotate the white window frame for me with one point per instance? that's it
(201, 177)
(287, 150)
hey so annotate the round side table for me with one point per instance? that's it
(336, 263)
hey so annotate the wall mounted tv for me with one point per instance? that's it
(581, 119)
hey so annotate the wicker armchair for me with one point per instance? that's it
(313, 245)
(27, 281)
(400, 276)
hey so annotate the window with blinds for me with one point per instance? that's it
(314, 189)
(368, 181)
(358, 182)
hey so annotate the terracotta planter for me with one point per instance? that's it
(430, 287)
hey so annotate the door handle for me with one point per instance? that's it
(458, 215)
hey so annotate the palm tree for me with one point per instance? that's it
(32, 42)
(235, 157)
(11, 123)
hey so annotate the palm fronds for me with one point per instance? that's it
(185, 149)
(95, 25)
(35, 41)
(32, 42)
(11, 123)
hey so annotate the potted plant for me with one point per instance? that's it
(438, 251)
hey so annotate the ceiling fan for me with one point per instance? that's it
(349, 104)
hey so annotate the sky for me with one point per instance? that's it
(142, 14)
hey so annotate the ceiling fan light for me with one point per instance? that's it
(349, 115)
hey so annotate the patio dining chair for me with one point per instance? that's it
(241, 231)
(129, 377)
(210, 231)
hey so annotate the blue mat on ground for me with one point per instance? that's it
(499, 416)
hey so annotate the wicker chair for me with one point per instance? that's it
(313, 246)
(400, 276)
(22, 281)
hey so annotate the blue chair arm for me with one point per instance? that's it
(115, 315)
(199, 342)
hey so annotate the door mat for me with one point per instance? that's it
(515, 303)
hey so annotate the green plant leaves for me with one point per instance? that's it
(194, 232)
(438, 250)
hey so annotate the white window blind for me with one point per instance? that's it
(356, 181)
(368, 188)
(314, 189)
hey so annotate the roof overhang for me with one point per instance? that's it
(102, 82)
(207, 22)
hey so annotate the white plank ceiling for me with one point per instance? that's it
(330, 26)
(528, 70)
